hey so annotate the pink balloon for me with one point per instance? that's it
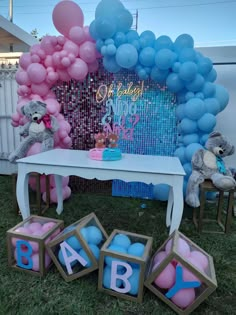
(78, 70)
(36, 72)
(66, 192)
(22, 230)
(65, 125)
(48, 61)
(15, 117)
(65, 181)
(36, 97)
(87, 34)
(35, 58)
(182, 247)
(34, 149)
(71, 48)
(61, 40)
(22, 77)
(62, 133)
(77, 34)
(14, 124)
(63, 75)
(200, 258)
(35, 262)
(52, 77)
(159, 257)
(183, 298)
(65, 15)
(52, 106)
(189, 276)
(34, 226)
(34, 49)
(50, 95)
(24, 259)
(66, 62)
(47, 45)
(93, 67)
(25, 60)
(66, 140)
(41, 89)
(166, 279)
(87, 52)
(48, 226)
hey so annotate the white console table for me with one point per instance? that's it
(147, 169)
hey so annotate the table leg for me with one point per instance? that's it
(178, 207)
(22, 194)
(58, 182)
(169, 207)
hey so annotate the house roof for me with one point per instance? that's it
(11, 33)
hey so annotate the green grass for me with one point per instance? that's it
(22, 293)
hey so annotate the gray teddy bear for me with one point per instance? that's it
(40, 128)
(208, 164)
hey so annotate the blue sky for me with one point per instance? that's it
(209, 22)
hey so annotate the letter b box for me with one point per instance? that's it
(123, 261)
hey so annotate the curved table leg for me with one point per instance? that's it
(58, 182)
(22, 193)
(178, 206)
(169, 207)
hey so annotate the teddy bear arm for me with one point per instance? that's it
(54, 124)
(24, 131)
(197, 160)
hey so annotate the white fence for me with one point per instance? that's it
(223, 57)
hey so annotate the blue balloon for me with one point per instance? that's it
(136, 44)
(181, 96)
(105, 27)
(109, 41)
(199, 95)
(126, 56)
(62, 260)
(158, 75)
(194, 108)
(189, 95)
(118, 249)
(142, 74)
(188, 169)
(108, 8)
(190, 138)
(207, 122)
(174, 83)
(94, 235)
(197, 84)
(147, 38)
(180, 153)
(163, 42)
(111, 50)
(134, 281)
(93, 31)
(104, 50)
(180, 111)
(131, 36)
(121, 240)
(124, 20)
(188, 126)
(205, 66)
(95, 250)
(211, 77)
(107, 278)
(183, 41)
(208, 89)
(187, 54)
(110, 64)
(191, 149)
(212, 105)
(73, 242)
(119, 39)
(161, 192)
(136, 249)
(99, 44)
(222, 95)
(188, 71)
(176, 66)
(204, 139)
(147, 56)
(164, 59)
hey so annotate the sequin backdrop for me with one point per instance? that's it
(147, 124)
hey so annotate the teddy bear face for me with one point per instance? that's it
(34, 110)
(219, 145)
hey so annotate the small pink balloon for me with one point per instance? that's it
(34, 226)
(66, 62)
(63, 75)
(48, 226)
(22, 77)
(71, 48)
(23, 259)
(87, 52)
(34, 49)
(65, 125)
(200, 258)
(48, 61)
(14, 124)
(35, 262)
(15, 117)
(66, 140)
(87, 34)
(67, 14)
(189, 276)
(21, 230)
(182, 247)
(41, 89)
(25, 60)
(78, 70)
(47, 44)
(35, 58)
(61, 40)
(93, 67)
(159, 257)
(36, 72)
(166, 279)
(34, 246)
(52, 77)
(62, 133)
(183, 298)
(77, 34)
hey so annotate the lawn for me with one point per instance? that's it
(22, 293)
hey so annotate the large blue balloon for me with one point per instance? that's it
(187, 54)
(205, 66)
(197, 84)
(222, 95)
(191, 149)
(147, 38)
(126, 56)
(212, 105)
(194, 108)
(190, 138)
(158, 75)
(111, 65)
(180, 153)
(174, 83)
(124, 20)
(147, 56)
(180, 114)
(93, 31)
(165, 58)
(188, 126)
(108, 8)
(183, 41)
(163, 42)
(208, 89)
(211, 77)
(188, 71)
(207, 123)
(131, 36)
(105, 27)
(119, 38)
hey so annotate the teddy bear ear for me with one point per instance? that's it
(41, 104)
(215, 134)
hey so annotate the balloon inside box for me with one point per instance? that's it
(27, 244)
(181, 274)
(122, 266)
(76, 250)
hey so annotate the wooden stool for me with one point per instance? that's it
(207, 186)
(38, 204)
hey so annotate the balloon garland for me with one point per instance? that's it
(176, 64)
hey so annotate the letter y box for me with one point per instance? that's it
(122, 266)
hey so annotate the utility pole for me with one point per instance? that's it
(135, 21)
(11, 10)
